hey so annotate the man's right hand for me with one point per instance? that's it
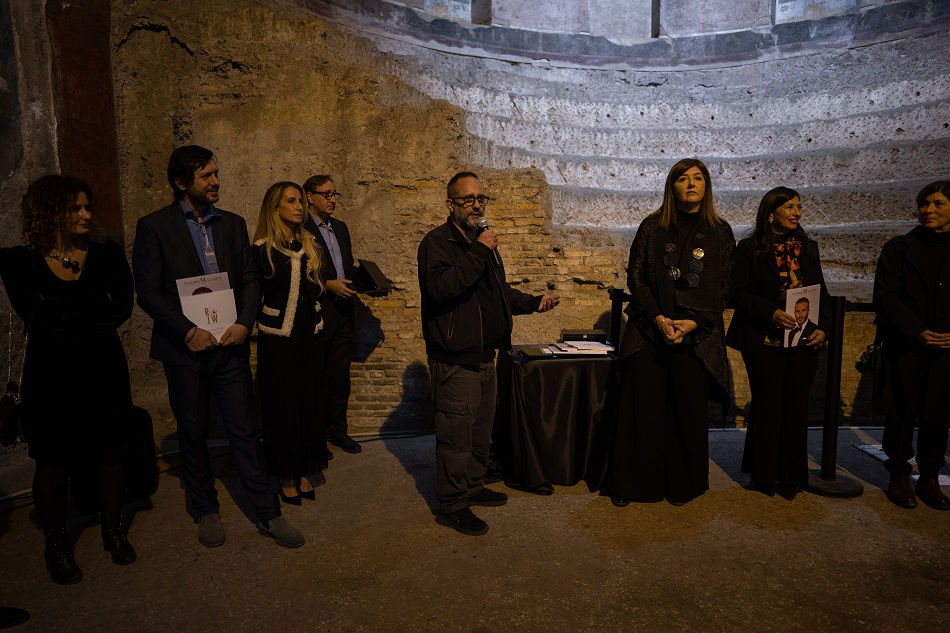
(202, 341)
(341, 288)
(489, 238)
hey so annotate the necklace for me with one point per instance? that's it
(73, 265)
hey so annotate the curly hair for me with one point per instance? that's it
(269, 232)
(46, 206)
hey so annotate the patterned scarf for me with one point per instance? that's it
(786, 258)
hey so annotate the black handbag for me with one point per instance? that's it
(12, 412)
(871, 358)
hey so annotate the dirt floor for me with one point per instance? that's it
(375, 560)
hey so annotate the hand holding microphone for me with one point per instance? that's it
(489, 238)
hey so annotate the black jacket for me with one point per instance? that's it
(164, 252)
(758, 293)
(450, 270)
(280, 290)
(653, 294)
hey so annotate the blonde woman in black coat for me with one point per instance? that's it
(776, 257)
(291, 343)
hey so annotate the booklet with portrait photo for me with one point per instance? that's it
(803, 304)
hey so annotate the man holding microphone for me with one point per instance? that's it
(467, 308)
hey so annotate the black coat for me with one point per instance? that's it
(653, 295)
(164, 252)
(758, 293)
(910, 298)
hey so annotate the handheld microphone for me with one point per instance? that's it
(480, 227)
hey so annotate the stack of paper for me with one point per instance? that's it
(582, 347)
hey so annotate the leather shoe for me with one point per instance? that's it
(928, 491)
(210, 530)
(281, 531)
(329, 454)
(60, 563)
(463, 521)
(346, 443)
(899, 492)
(788, 491)
(114, 540)
(620, 502)
(487, 497)
(11, 617)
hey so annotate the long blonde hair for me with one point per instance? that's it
(667, 210)
(270, 232)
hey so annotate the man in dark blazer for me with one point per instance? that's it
(801, 333)
(189, 238)
(337, 270)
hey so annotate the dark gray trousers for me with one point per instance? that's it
(464, 412)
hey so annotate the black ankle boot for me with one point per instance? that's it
(114, 540)
(60, 564)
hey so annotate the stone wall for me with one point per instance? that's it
(575, 155)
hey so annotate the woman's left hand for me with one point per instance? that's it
(817, 339)
(681, 327)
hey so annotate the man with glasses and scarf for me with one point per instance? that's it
(467, 308)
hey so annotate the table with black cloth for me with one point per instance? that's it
(550, 424)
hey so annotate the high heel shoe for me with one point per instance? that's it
(309, 495)
(114, 540)
(290, 500)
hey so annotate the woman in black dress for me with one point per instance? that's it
(672, 356)
(778, 256)
(291, 346)
(72, 293)
(912, 299)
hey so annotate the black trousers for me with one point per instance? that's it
(341, 333)
(920, 397)
(227, 377)
(776, 442)
(661, 444)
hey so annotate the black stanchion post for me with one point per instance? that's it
(832, 483)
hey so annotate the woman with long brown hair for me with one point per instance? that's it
(72, 294)
(291, 344)
(672, 357)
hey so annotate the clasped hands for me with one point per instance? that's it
(938, 340)
(675, 330)
(199, 340)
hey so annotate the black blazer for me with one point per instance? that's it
(758, 292)
(327, 269)
(164, 252)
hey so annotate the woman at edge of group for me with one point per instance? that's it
(72, 293)
(672, 356)
(912, 296)
(291, 351)
(777, 256)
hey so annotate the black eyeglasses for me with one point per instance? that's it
(328, 194)
(468, 201)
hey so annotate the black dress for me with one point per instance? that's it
(76, 378)
(291, 365)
